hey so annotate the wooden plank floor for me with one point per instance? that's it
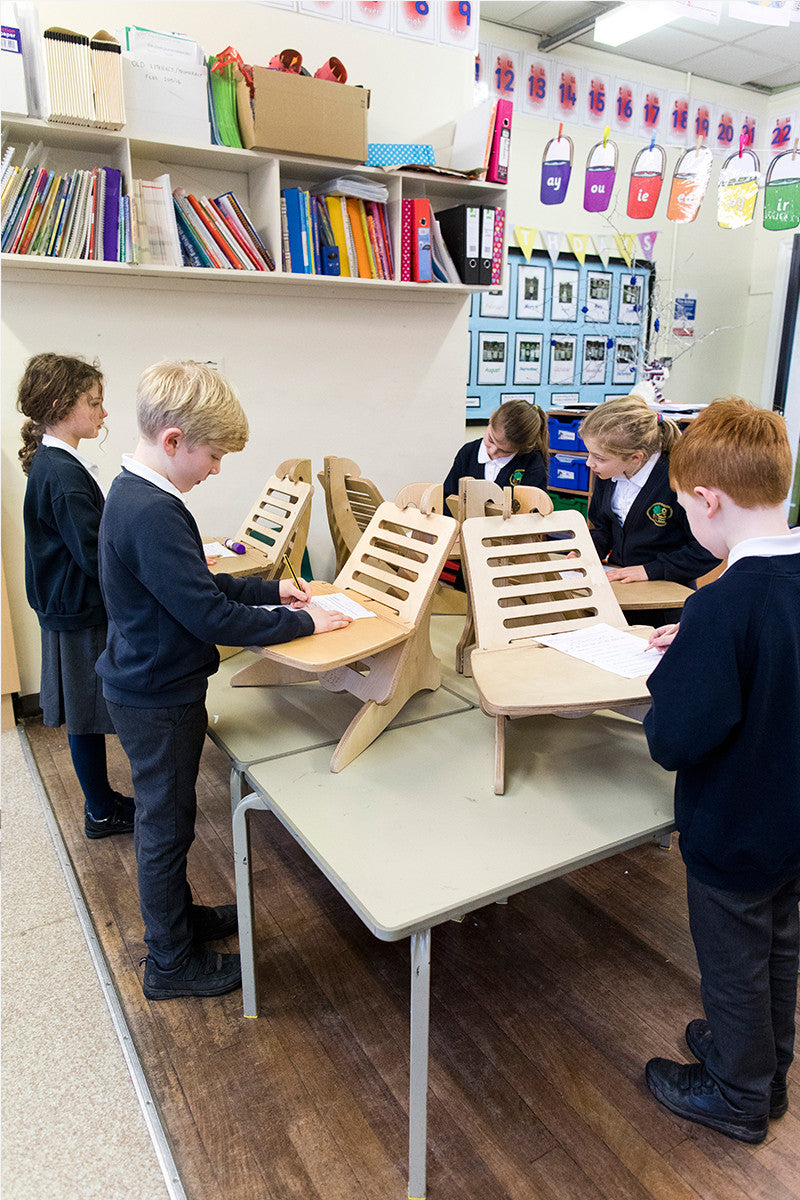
(543, 1013)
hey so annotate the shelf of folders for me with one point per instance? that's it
(84, 214)
(340, 228)
(558, 335)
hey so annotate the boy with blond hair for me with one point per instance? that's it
(726, 699)
(166, 615)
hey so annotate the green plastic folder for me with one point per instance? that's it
(223, 97)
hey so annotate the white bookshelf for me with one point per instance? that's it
(257, 178)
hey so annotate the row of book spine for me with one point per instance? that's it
(463, 244)
(80, 215)
(335, 235)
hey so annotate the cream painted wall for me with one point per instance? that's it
(380, 380)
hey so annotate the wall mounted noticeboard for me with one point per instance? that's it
(557, 333)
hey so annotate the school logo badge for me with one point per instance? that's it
(659, 514)
(516, 477)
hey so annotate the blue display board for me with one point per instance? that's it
(557, 332)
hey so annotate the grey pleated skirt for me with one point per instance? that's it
(71, 692)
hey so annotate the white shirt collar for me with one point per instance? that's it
(483, 456)
(642, 475)
(136, 468)
(92, 467)
(766, 547)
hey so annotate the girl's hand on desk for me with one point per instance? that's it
(324, 620)
(290, 595)
(662, 637)
(627, 575)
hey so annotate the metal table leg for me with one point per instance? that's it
(244, 897)
(418, 1080)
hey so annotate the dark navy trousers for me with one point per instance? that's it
(747, 949)
(164, 747)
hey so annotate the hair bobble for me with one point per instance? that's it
(659, 417)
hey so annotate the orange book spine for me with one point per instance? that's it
(362, 254)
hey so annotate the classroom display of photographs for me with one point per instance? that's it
(530, 292)
(563, 329)
(492, 365)
(528, 358)
(598, 296)
(564, 304)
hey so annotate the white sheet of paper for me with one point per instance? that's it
(606, 647)
(338, 602)
(217, 548)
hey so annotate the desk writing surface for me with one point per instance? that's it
(340, 647)
(412, 834)
(249, 563)
(652, 593)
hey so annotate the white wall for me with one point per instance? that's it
(720, 265)
(380, 380)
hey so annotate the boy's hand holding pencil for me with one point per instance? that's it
(662, 637)
(297, 593)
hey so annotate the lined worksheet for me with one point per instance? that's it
(604, 646)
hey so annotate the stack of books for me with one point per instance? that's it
(217, 232)
(333, 234)
(82, 215)
(84, 79)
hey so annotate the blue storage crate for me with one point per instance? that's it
(564, 433)
(569, 473)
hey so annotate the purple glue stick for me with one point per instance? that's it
(236, 547)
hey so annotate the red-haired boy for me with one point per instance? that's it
(726, 704)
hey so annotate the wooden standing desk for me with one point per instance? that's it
(650, 593)
(412, 835)
(249, 563)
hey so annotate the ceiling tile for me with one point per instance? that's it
(663, 46)
(729, 64)
(789, 76)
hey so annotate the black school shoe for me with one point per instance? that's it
(120, 820)
(203, 974)
(688, 1090)
(211, 924)
(699, 1040)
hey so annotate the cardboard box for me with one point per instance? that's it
(296, 114)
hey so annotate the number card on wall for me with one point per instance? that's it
(504, 66)
(595, 101)
(625, 106)
(653, 116)
(417, 19)
(781, 134)
(678, 118)
(700, 120)
(535, 96)
(565, 95)
(723, 128)
(459, 24)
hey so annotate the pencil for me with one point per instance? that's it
(291, 572)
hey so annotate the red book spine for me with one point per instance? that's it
(217, 236)
(252, 256)
(387, 241)
(497, 253)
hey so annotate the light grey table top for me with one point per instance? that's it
(412, 834)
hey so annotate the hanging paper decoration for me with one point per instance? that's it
(647, 176)
(603, 245)
(737, 190)
(538, 74)
(556, 170)
(579, 245)
(653, 112)
(782, 191)
(553, 241)
(689, 184)
(648, 243)
(601, 171)
(525, 239)
(625, 243)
